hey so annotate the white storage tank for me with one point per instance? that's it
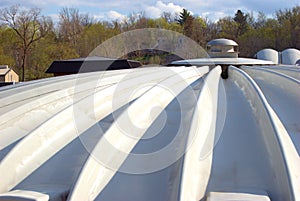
(269, 55)
(290, 56)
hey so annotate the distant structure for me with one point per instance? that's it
(7, 76)
(287, 57)
(223, 52)
(290, 56)
(269, 55)
(90, 64)
(222, 48)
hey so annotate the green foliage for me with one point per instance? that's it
(9, 49)
(228, 28)
(6, 59)
(44, 53)
(77, 35)
(94, 35)
(288, 30)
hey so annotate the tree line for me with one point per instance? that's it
(29, 41)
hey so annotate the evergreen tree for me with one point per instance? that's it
(184, 16)
(241, 19)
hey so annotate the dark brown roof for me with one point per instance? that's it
(90, 64)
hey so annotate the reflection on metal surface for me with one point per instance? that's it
(161, 133)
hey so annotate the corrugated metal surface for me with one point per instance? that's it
(179, 133)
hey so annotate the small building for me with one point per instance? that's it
(90, 64)
(7, 75)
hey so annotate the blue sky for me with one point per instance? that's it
(118, 9)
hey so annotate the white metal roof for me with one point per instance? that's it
(177, 133)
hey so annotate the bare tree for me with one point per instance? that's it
(71, 25)
(29, 25)
(87, 20)
(167, 16)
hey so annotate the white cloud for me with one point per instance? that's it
(213, 16)
(116, 9)
(114, 15)
(160, 7)
(170, 7)
(99, 17)
(110, 16)
(152, 12)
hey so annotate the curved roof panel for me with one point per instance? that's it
(159, 133)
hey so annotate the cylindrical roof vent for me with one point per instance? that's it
(222, 48)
